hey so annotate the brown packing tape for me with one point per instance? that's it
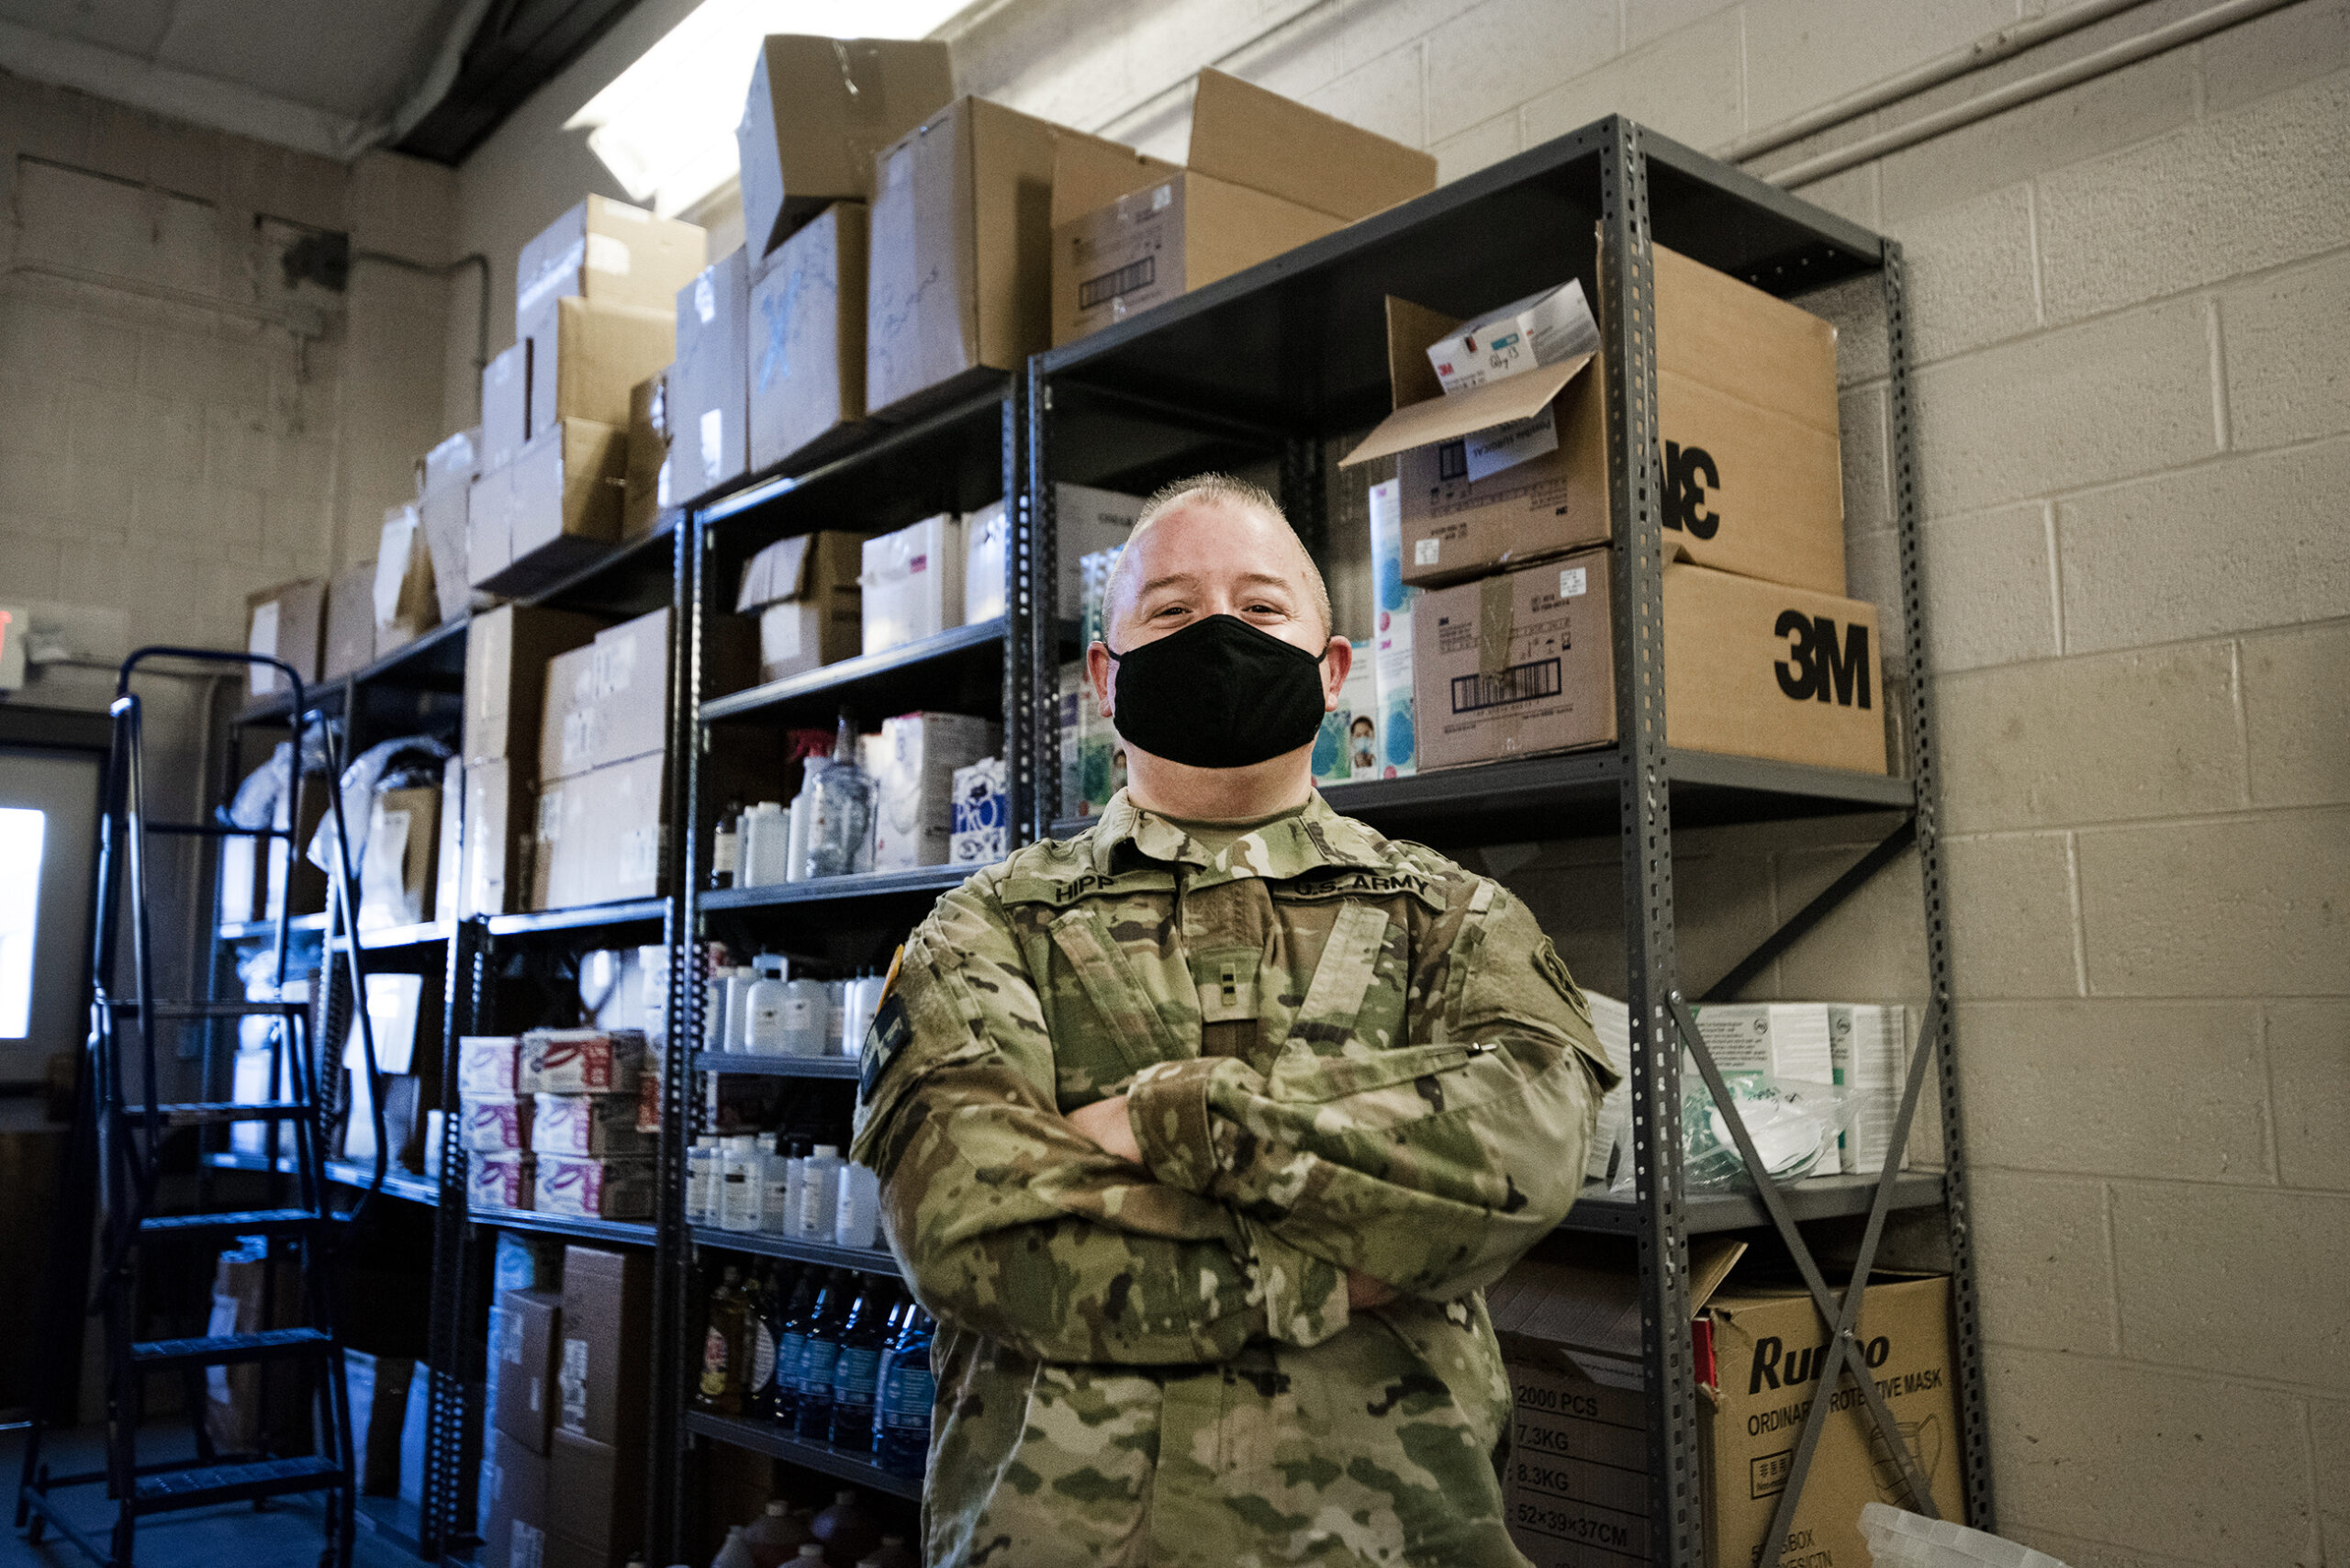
(1496, 596)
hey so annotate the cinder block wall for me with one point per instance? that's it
(2132, 307)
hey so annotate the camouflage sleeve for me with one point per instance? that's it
(1011, 1222)
(1431, 1165)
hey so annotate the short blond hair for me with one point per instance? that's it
(1230, 491)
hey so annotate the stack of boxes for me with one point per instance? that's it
(549, 1121)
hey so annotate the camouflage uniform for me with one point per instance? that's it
(1342, 1052)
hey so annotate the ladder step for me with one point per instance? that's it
(211, 1113)
(238, 1222)
(225, 1349)
(233, 1483)
(185, 1009)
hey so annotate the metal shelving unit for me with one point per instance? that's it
(1273, 363)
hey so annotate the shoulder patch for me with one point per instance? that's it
(883, 1040)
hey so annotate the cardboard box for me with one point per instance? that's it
(350, 622)
(449, 857)
(961, 279)
(595, 1126)
(609, 251)
(407, 605)
(1577, 1487)
(568, 716)
(500, 809)
(915, 785)
(1346, 747)
(804, 591)
(487, 1064)
(528, 1337)
(564, 511)
(587, 355)
(286, 623)
(601, 836)
(632, 683)
(379, 1389)
(398, 864)
(489, 525)
(608, 1338)
(1746, 408)
(818, 111)
(493, 1125)
(1393, 606)
(1525, 662)
(603, 1487)
(515, 1479)
(807, 341)
(644, 489)
(912, 583)
(981, 807)
(506, 651)
(594, 1187)
(1089, 520)
(505, 406)
(236, 1414)
(1265, 175)
(499, 1181)
(579, 1061)
(710, 386)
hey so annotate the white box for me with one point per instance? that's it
(487, 1064)
(912, 583)
(1549, 327)
(982, 813)
(1870, 1049)
(586, 1125)
(986, 539)
(1785, 1040)
(1612, 1021)
(913, 763)
(1390, 636)
(1075, 687)
(1347, 746)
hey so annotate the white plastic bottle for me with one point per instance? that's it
(820, 1194)
(738, 995)
(702, 1179)
(740, 1185)
(775, 1201)
(803, 814)
(803, 1018)
(858, 1216)
(713, 1010)
(767, 1009)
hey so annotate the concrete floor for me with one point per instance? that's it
(288, 1535)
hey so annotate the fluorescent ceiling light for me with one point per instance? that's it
(666, 126)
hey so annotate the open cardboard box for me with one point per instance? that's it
(1746, 409)
(1576, 1492)
(1265, 175)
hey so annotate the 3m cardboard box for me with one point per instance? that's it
(818, 111)
(603, 1487)
(444, 491)
(806, 348)
(516, 1481)
(608, 251)
(528, 1337)
(1577, 1486)
(585, 356)
(405, 602)
(1524, 663)
(351, 621)
(804, 591)
(506, 651)
(286, 623)
(505, 406)
(563, 509)
(645, 485)
(607, 1342)
(1265, 175)
(1746, 408)
(960, 285)
(709, 386)
(914, 769)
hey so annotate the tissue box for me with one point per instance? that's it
(982, 808)
(579, 1061)
(595, 1189)
(499, 1181)
(587, 1125)
(487, 1064)
(493, 1125)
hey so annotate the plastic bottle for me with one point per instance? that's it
(856, 1371)
(741, 1184)
(713, 1010)
(841, 794)
(803, 1018)
(820, 1194)
(894, 1553)
(775, 1535)
(775, 1206)
(738, 995)
(791, 1345)
(813, 1418)
(901, 1443)
(857, 1217)
(857, 1011)
(766, 840)
(735, 1553)
(845, 1530)
(767, 1009)
(702, 1181)
(759, 1377)
(803, 814)
(725, 844)
(721, 1388)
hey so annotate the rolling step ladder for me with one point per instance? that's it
(121, 1127)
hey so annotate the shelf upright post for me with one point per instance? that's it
(690, 630)
(1628, 325)
(1305, 492)
(1032, 637)
(1966, 1322)
(449, 1483)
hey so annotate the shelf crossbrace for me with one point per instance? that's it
(1840, 1317)
(1800, 923)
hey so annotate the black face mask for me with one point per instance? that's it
(1219, 693)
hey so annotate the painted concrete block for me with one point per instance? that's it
(2268, 54)
(2041, 1259)
(2222, 1279)
(1802, 53)
(2297, 716)
(1381, 96)
(1972, 278)
(2242, 907)
(2257, 187)
(1488, 141)
(2287, 346)
(2011, 916)
(1504, 51)
(1685, 85)
(2145, 1459)
(1990, 587)
(2161, 1090)
(2235, 545)
(2309, 1060)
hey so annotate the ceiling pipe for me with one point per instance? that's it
(433, 86)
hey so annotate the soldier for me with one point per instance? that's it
(1202, 1133)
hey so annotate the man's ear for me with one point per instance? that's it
(1098, 666)
(1337, 660)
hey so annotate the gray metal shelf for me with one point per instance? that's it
(1600, 1213)
(774, 1066)
(834, 890)
(865, 1259)
(626, 1232)
(767, 1438)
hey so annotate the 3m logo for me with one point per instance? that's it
(1817, 663)
(1688, 471)
(1093, 291)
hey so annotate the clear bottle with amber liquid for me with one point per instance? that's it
(724, 1348)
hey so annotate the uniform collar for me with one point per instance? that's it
(1315, 839)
